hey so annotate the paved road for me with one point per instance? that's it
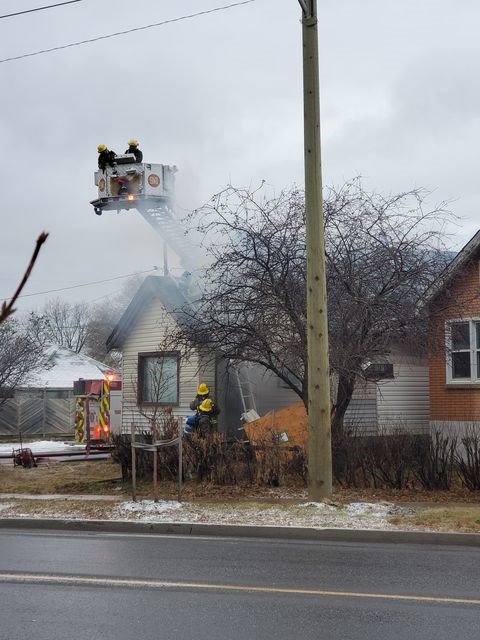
(128, 587)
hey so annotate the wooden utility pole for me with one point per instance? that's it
(319, 440)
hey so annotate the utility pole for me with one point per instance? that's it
(319, 440)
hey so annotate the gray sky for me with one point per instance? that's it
(220, 96)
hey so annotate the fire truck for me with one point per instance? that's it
(98, 409)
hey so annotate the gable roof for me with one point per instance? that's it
(64, 366)
(460, 260)
(164, 288)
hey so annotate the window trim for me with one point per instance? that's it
(473, 380)
(142, 356)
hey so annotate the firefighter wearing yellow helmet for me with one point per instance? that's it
(133, 148)
(202, 393)
(207, 410)
(105, 157)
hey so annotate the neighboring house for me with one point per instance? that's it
(454, 360)
(45, 405)
(400, 396)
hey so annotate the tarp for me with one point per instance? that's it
(289, 425)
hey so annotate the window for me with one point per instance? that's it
(158, 378)
(463, 351)
(379, 371)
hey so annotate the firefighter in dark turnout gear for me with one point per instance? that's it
(105, 157)
(207, 411)
(133, 148)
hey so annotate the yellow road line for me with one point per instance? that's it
(161, 584)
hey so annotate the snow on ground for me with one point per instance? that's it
(40, 446)
(355, 515)
(317, 515)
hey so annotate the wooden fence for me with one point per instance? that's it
(37, 416)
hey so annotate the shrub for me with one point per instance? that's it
(434, 460)
(468, 460)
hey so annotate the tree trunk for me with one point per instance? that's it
(345, 388)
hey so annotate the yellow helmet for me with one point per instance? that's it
(133, 143)
(203, 390)
(101, 147)
(206, 406)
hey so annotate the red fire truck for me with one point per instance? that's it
(98, 409)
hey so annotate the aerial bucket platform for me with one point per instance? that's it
(129, 184)
(150, 189)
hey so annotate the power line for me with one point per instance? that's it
(85, 284)
(50, 6)
(121, 33)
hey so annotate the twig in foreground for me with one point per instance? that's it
(7, 309)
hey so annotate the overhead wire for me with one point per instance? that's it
(49, 6)
(121, 33)
(85, 284)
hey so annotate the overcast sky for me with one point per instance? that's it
(220, 96)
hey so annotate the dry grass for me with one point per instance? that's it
(69, 509)
(96, 477)
(448, 518)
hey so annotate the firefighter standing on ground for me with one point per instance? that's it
(133, 148)
(207, 411)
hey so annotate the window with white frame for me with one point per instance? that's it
(158, 378)
(463, 351)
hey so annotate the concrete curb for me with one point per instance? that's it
(245, 531)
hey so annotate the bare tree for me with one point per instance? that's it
(381, 253)
(65, 324)
(103, 319)
(21, 354)
(104, 316)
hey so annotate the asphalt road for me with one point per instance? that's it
(129, 587)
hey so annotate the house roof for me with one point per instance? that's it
(451, 270)
(64, 366)
(165, 289)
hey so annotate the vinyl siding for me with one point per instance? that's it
(149, 334)
(362, 410)
(404, 401)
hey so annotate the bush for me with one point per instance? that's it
(434, 460)
(388, 459)
(348, 458)
(468, 461)
(214, 459)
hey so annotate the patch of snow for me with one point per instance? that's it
(41, 446)
(319, 505)
(370, 509)
(4, 507)
(149, 507)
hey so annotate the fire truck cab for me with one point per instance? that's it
(129, 184)
(98, 409)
